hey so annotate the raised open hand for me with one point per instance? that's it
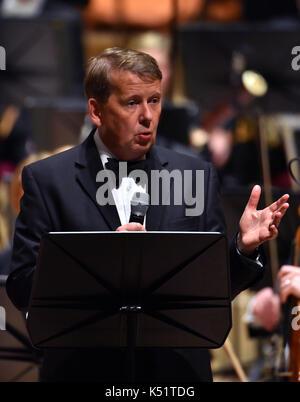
(258, 226)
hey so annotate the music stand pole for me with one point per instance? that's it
(131, 335)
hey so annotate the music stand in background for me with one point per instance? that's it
(208, 51)
(19, 360)
(131, 290)
(43, 57)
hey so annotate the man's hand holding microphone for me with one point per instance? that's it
(139, 206)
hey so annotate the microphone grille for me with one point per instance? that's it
(139, 203)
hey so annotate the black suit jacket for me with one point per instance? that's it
(60, 195)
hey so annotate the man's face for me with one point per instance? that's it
(129, 119)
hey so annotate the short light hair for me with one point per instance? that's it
(97, 83)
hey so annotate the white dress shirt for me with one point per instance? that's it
(123, 194)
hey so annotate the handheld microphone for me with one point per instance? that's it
(139, 206)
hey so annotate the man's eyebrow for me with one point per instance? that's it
(157, 94)
(138, 96)
(132, 96)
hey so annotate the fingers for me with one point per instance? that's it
(277, 219)
(277, 205)
(287, 269)
(289, 277)
(282, 210)
(131, 227)
(277, 216)
(285, 289)
(273, 232)
(254, 197)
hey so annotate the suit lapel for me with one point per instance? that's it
(155, 212)
(88, 164)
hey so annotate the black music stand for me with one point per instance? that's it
(43, 56)
(208, 51)
(131, 289)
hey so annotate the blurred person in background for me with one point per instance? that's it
(15, 194)
(269, 316)
(266, 304)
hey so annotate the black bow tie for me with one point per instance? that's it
(113, 164)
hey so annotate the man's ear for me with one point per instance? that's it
(94, 111)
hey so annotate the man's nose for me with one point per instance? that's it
(146, 114)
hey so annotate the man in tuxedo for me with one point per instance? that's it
(123, 88)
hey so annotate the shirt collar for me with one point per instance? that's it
(104, 152)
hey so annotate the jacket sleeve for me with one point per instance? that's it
(244, 271)
(32, 222)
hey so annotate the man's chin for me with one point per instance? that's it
(144, 146)
(135, 151)
(139, 153)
